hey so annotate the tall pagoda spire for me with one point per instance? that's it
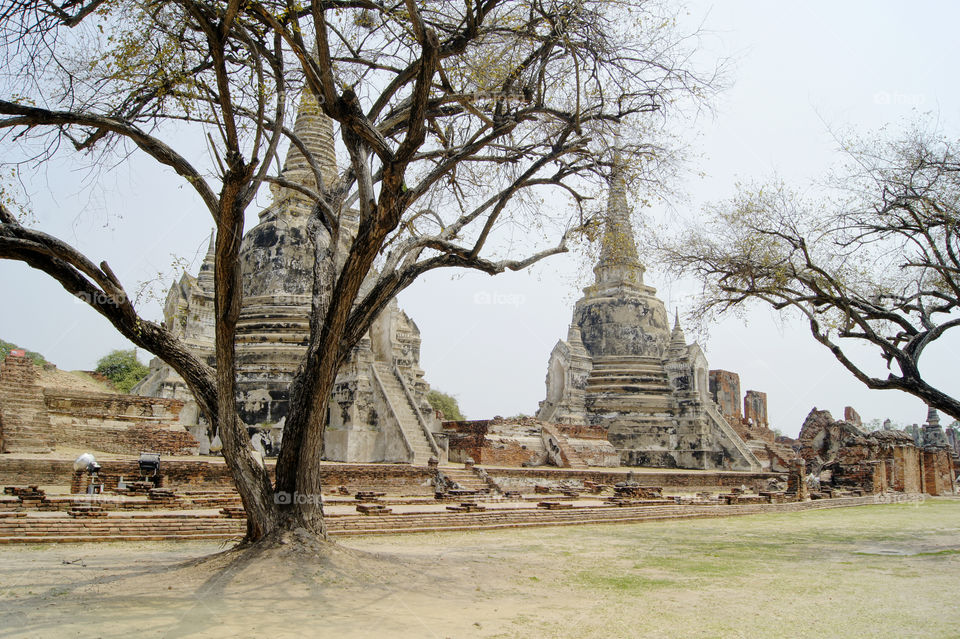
(205, 276)
(315, 130)
(678, 341)
(618, 253)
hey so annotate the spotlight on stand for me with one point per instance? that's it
(149, 464)
(87, 463)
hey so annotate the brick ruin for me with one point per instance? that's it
(752, 423)
(839, 454)
(528, 442)
(755, 409)
(34, 419)
(622, 389)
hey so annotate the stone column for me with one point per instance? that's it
(797, 480)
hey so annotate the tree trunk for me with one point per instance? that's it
(249, 475)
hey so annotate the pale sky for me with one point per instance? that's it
(800, 71)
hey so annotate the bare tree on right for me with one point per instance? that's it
(874, 262)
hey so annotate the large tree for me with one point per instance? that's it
(872, 258)
(458, 117)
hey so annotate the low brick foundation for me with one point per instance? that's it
(524, 479)
(184, 527)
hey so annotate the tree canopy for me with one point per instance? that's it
(6, 347)
(446, 405)
(122, 368)
(456, 119)
(874, 261)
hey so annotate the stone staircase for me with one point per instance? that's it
(406, 415)
(24, 420)
(635, 383)
(62, 529)
(571, 457)
(466, 479)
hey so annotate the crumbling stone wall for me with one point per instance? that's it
(852, 416)
(19, 471)
(493, 442)
(118, 423)
(904, 466)
(24, 424)
(873, 461)
(527, 441)
(937, 471)
(39, 419)
(525, 479)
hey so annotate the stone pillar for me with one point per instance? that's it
(755, 408)
(853, 417)
(797, 480)
(725, 391)
(878, 477)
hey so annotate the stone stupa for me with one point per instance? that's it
(378, 410)
(622, 368)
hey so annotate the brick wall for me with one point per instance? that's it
(214, 475)
(38, 419)
(45, 472)
(903, 467)
(580, 431)
(118, 423)
(937, 472)
(725, 390)
(476, 440)
(23, 416)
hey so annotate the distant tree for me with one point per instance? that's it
(876, 261)
(122, 368)
(6, 347)
(446, 405)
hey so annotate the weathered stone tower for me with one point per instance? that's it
(622, 367)
(276, 259)
(378, 410)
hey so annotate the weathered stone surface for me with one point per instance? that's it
(755, 409)
(852, 416)
(24, 423)
(527, 441)
(622, 369)
(378, 410)
(725, 391)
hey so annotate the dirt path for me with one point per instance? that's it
(887, 571)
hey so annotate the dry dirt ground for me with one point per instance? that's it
(873, 571)
(72, 381)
